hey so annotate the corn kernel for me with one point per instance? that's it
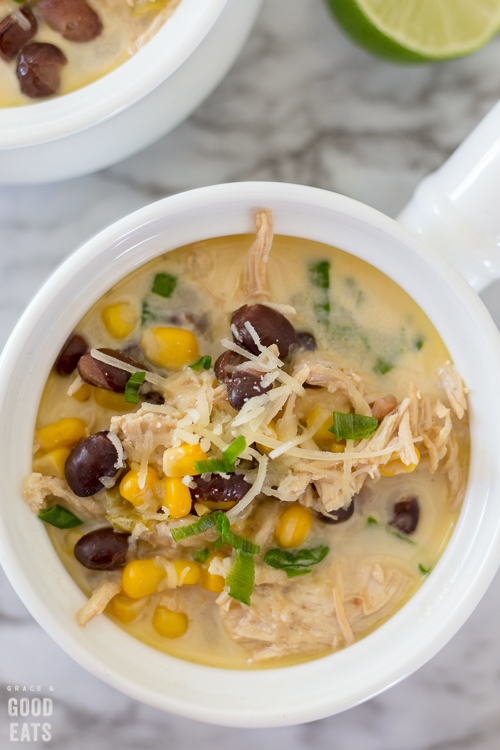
(337, 447)
(141, 7)
(322, 433)
(177, 497)
(177, 462)
(130, 490)
(169, 624)
(65, 432)
(396, 466)
(83, 393)
(124, 609)
(171, 348)
(188, 572)
(141, 578)
(51, 464)
(293, 525)
(120, 319)
(112, 401)
(209, 581)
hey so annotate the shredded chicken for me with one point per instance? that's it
(307, 615)
(454, 389)
(99, 600)
(37, 487)
(254, 277)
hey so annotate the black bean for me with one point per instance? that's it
(270, 325)
(153, 397)
(103, 549)
(306, 341)
(225, 364)
(75, 20)
(111, 378)
(338, 516)
(244, 385)
(405, 515)
(13, 36)
(74, 348)
(218, 489)
(39, 69)
(93, 458)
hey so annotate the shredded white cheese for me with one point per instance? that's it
(151, 377)
(255, 488)
(75, 385)
(113, 438)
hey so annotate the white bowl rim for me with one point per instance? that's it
(288, 695)
(159, 58)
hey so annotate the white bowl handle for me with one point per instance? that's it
(457, 209)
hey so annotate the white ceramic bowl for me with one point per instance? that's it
(328, 685)
(132, 106)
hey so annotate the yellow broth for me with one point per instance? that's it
(373, 328)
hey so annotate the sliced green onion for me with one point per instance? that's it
(400, 536)
(198, 527)
(146, 313)
(352, 426)
(235, 540)
(60, 517)
(320, 274)
(234, 449)
(133, 387)
(214, 465)
(201, 555)
(382, 366)
(371, 521)
(220, 542)
(419, 343)
(205, 362)
(423, 569)
(241, 579)
(164, 284)
(295, 563)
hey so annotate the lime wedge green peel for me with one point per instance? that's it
(413, 31)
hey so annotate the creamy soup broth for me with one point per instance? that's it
(125, 28)
(369, 326)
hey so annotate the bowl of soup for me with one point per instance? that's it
(255, 454)
(85, 84)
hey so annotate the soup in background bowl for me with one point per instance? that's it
(251, 454)
(154, 245)
(57, 46)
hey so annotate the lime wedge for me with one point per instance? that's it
(418, 30)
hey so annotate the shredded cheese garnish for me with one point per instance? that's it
(151, 377)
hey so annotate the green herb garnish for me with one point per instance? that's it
(352, 426)
(234, 449)
(235, 540)
(424, 570)
(214, 466)
(224, 465)
(320, 274)
(133, 387)
(146, 313)
(241, 579)
(400, 536)
(222, 524)
(193, 529)
(382, 366)
(295, 563)
(201, 555)
(164, 284)
(419, 344)
(204, 362)
(371, 521)
(60, 517)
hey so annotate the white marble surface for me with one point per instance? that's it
(301, 105)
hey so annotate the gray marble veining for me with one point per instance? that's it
(301, 105)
